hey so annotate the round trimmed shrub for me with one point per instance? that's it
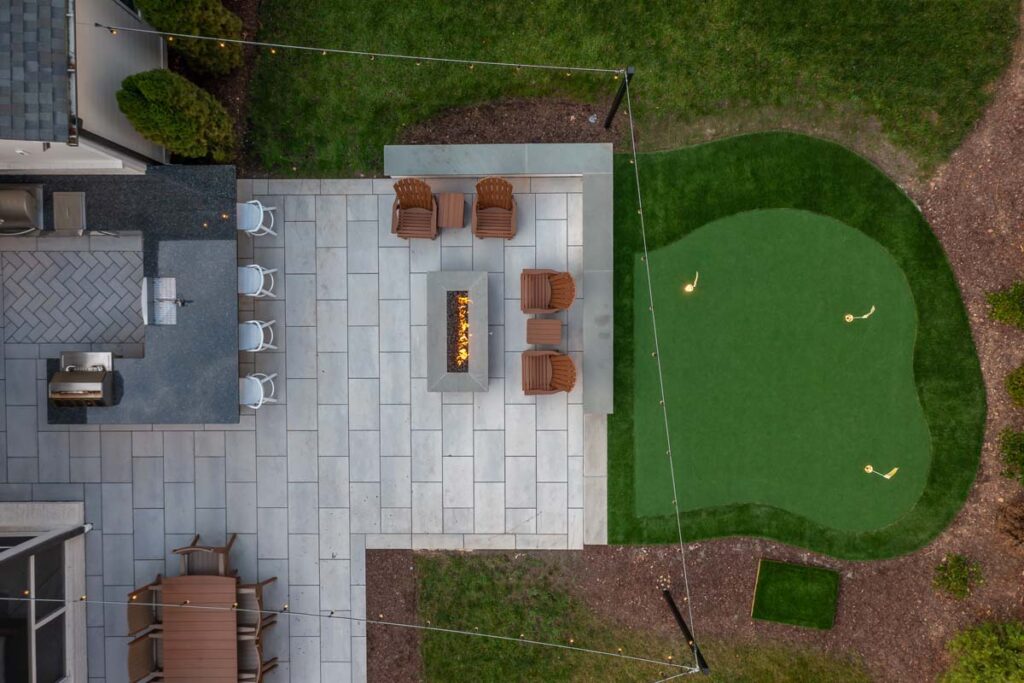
(1007, 305)
(1015, 385)
(989, 652)
(201, 18)
(173, 112)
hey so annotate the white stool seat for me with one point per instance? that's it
(251, 216)
(252, 391)
(255, 335)
(252, 280)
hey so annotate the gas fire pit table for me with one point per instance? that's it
(457, 331)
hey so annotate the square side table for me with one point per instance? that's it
(547, 331)
(451, 210)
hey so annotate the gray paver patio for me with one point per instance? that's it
(356, 454)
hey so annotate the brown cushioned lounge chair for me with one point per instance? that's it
(545, 291)
(414, 213)
(547, 372)
(494, 209)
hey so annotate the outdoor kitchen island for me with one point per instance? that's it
(188, 370)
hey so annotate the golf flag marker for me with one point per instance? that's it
(888, 475)
(689, 287)
(850, 317)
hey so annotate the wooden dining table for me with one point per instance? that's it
(200, 644)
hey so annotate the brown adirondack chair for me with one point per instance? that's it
(207, 560)
(414, 213)
(545, 291)
(547, 372)
(494, 209)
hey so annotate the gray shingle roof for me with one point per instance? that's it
(34, 99)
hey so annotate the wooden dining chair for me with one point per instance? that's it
(251, 619)
(144, 658)
(207, 560)
(251, 666)
(144, 613)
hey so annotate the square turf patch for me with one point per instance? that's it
(795, 594)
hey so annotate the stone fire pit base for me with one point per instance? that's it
(438, 286)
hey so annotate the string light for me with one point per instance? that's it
(475, 633)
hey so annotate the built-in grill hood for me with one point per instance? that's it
(84, 379)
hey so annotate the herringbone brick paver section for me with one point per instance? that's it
(72, 297)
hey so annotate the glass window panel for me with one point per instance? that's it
(49, 580)
(50, 651)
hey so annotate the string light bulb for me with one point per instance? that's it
(221, 43)
(273, 50)
(113, 31)
(170, 39)
(81, 598)
(25, 592)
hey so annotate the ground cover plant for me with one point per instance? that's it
(989, 652)
(1007, 305)
(795, 594)
(690, 188)
(921, 69)
(527, 595)
(1015, 385)
(957, 576)
(171, 111)
(1011, 445)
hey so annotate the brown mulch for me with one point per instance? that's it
(518, 121)
(889, 614)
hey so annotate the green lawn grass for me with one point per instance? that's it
(923, 69)
(511, 595)
(686, 189)
(796, 594)
(773, 398)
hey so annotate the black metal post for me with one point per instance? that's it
(701, 663)
(618, 97)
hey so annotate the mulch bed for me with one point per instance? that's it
(519, 121)
(889, 614)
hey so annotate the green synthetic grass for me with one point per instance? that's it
(774, 399)
(513, 595)
(795, 594)
(688, 188)
(922, 69)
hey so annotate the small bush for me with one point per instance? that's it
(957, 575)
(1011, 523)
(1015, 385)
(171, 111)
(202, 18)
(989, 652)
(1011, 445)
(1007, 305)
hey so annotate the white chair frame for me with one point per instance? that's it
(264, 290)
(262, 228)
(264, 327)
(261, 380)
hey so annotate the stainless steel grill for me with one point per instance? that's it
(85, 378)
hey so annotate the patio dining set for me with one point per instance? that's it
(201, 625)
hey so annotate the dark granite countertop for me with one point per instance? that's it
(189, 371)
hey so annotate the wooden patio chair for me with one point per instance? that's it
(414, 212)
(251, 620)
(547, 372)
(144, 659)
(545, 291)
(144, 613)
(494, 209)
(251, 666)
(205, 560)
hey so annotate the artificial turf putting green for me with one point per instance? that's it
(774, 399)
(692, 187)
(795, 594)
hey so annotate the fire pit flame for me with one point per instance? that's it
(462, 330)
